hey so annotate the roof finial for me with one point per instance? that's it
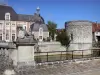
(38, 9)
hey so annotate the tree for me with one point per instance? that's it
(52, 29)
(63, 38)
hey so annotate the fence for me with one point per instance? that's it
(65, 55)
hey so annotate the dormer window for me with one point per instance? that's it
(0, 25)
(24, 27)
(41, 31)
(40, 34)
(7, 16)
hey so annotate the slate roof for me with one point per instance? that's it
(36, 26)
(31, 18)
(19, 17)
(4, 9)
(23, 17)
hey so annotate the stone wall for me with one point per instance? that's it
(50, 46)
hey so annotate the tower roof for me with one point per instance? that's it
(36, 26)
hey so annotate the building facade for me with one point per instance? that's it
(96, 32)
(10, 21)
(40, 31)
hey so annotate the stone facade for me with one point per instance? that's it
(96, 33)
(80, 33)
(24, 24)
(10, 21)
(11, 28)
(7, 30)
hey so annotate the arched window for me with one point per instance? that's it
(13, 37)
(41, 31)
(7, 16)
(25, 27)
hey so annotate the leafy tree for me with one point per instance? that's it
(52, 29)
(63, 38)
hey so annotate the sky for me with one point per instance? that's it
(59, 11)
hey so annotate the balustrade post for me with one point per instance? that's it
(61, 56)
(72, 55)
(82, 53)
(47, 56)
(66, 55)
(91, 53)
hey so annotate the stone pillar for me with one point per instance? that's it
(25, 46)
(25, 54)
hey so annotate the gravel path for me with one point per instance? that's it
(91, 72)
(95, 72)
(71, 68)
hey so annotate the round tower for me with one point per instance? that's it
(80, 33)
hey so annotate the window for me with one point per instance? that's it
(13, 24)
(7, 23)
(0, 24)
(7, 34)
(7, 16)
(41, 31)
(24, 27)
(40, 37)
(0, 30)
(0, 36)
(13, 37)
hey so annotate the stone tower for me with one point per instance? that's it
(80, 33)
